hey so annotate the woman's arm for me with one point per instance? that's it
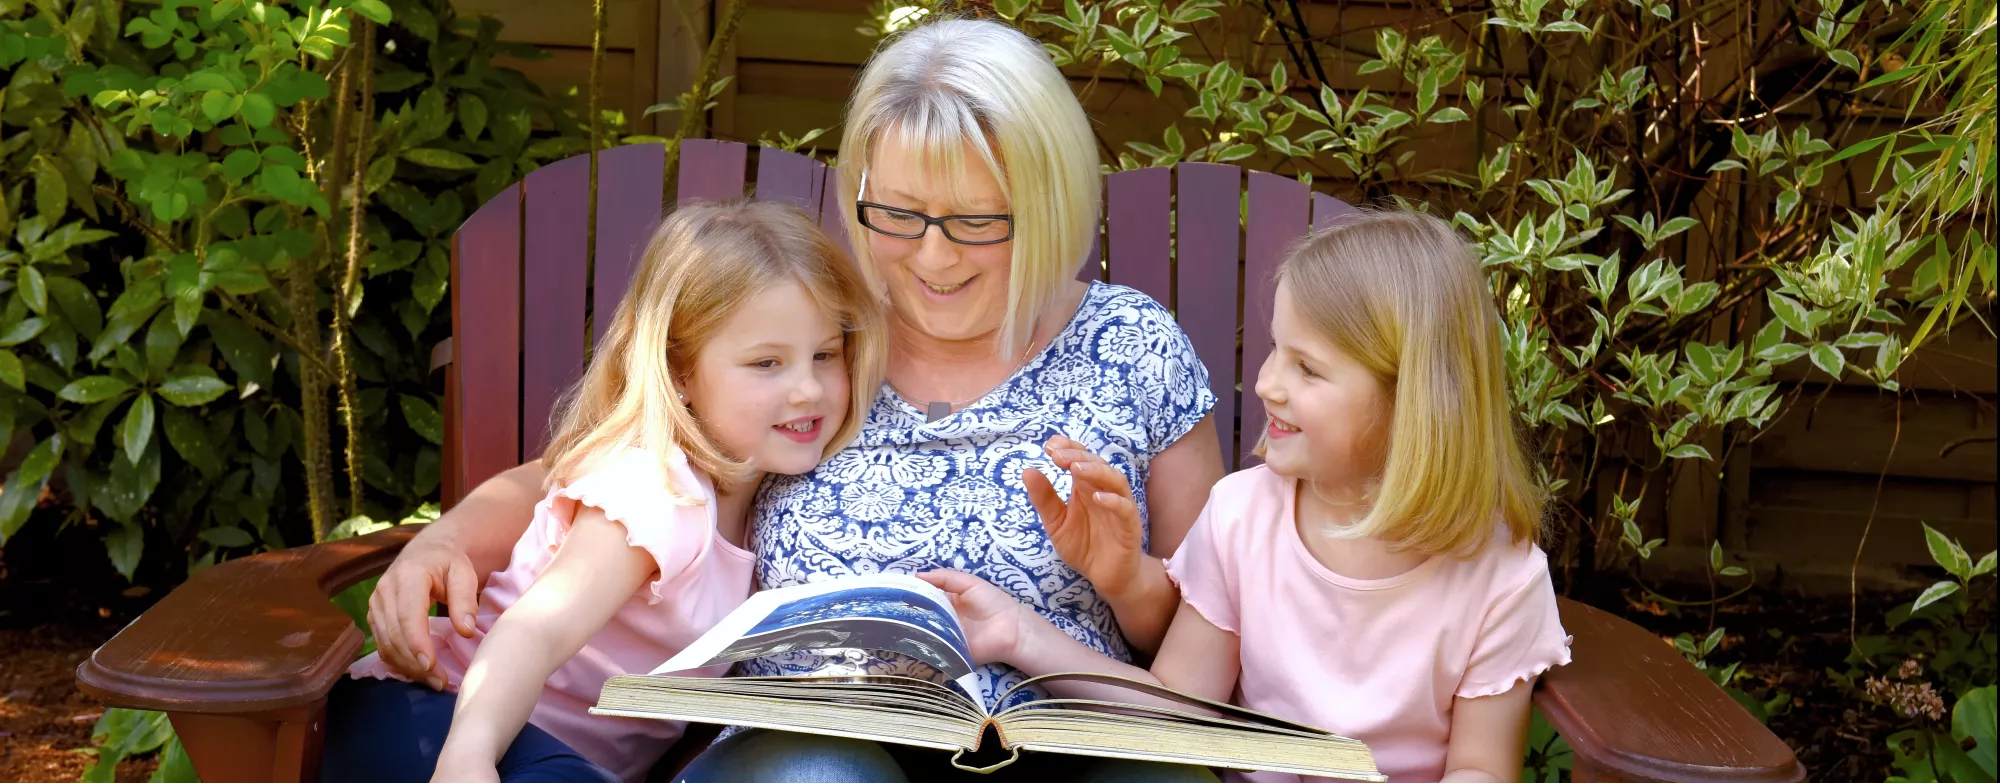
(1488, 736)
(1177, 486)
(594, 574)
(447, 562)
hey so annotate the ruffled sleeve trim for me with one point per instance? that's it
(1533, 666)
(650, 497)
(1200, 602)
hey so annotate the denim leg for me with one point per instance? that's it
(1123, 771)
(387, 731)
(786, 757)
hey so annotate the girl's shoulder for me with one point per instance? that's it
(631, 477)
(1249, 502)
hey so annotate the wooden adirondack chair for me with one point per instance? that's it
(242, 656)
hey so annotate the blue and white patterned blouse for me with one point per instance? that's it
(911, 495)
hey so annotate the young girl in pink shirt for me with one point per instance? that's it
(1378, 575)
(747, 344)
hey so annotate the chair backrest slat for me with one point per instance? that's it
(555, 249)
(1206, 231)
(1182, 236)
(1277, 217)
(1139, 219)
(788, 176)
(483, 392)
(711, 170)
(629, 181)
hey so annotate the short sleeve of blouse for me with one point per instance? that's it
(1167, 380)
(1521, 637)
(663, 506)
(1204, 569)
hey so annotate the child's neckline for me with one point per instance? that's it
(1298, 545)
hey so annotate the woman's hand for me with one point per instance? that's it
(1098, 531)
(430, 569)
(994, 621)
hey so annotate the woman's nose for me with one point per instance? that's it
(936, 251)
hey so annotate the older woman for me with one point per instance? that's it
(972, 180)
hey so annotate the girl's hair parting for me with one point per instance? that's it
(702, 263)
(950, 87)
(1403, 294)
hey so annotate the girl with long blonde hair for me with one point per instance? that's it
(1378, 575)
(747, 345)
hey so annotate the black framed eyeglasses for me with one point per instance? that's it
(908, 224)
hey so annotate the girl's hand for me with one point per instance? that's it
(993, 620)
(455, 766)
(1098, 531)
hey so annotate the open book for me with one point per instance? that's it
(906, 616)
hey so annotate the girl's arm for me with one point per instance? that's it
(447, 562)
(1488, 737)
(593, 574)
(1196, 658)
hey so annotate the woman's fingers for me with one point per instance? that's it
(1042, 495)
(461, 595)
(1122, 508)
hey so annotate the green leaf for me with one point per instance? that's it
(217, 106)
(1715, 555)
(137, 430)
(51, 192)
(163, 343)
(423, 418)
(240, 163)
(22, 332)
(439, 159)
(1933, 594)
(192, 384)
(226, 536)
(191, 439)
(1828, 358)
(24, 490)
(471, 115)
(95, 388)
(1858, 148)
(1791, 312)
(33, 291)
(1449, 114)
(1973, 718)
(1947, 553)
(1688, 450)
(249, 355)
(258, 110)
(1235, 152)
(11, 372)
(376, 10)
(1984, 566)
(1427, 91)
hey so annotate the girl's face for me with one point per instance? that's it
(772, 386)
(944, 289)
(1329, 416)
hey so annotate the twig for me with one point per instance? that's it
(1854, 571)
(694, 103)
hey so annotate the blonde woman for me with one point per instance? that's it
(1390, 532)
(737, 353)
(971, 180)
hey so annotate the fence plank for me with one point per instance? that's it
(1141, 231)
(1276, 218)
(1328, 210)
(483, 406)
(1206, 234)
(629, 180)
(786, 176)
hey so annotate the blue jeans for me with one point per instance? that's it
(385, 731)
(785, 757)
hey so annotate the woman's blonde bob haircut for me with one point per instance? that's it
(702, 263)
(953, 84)
(1403, 294)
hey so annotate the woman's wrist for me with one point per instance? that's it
(1147, 582)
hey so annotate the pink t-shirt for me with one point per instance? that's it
(701, 578)
(1378, 660)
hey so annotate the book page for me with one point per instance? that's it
(893, 613)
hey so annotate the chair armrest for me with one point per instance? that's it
(1633, 709)
(249, 635)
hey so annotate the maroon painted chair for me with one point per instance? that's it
(242, 656)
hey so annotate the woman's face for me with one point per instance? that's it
(771, 386)
(943, 289)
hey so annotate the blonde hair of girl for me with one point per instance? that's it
(1403, 294)
(953, 83)
(703, 262)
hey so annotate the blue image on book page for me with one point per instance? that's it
(863, 618)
